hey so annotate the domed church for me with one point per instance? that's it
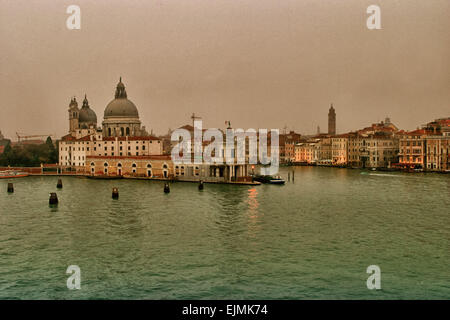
(121, 135)
(83, 118)
(121, 117)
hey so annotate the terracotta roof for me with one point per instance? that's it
(69, 137)
(417, 132)
(342, 135)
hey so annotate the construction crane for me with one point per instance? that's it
(22, 136)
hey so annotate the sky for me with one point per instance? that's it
(258, 63)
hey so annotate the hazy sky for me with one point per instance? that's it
(258, 63)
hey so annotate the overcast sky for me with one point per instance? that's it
(257, 63)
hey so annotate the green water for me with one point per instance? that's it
(312, 239)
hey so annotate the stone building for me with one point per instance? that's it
(307, 152)
(151, 166)
(438, 151)
(339, 149)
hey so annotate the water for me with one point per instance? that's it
(312, 239)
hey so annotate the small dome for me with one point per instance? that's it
(86, 114)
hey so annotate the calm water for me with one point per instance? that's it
(310, 239)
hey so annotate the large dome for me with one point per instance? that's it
(121, 107)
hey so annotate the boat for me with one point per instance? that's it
(269, 179)
(8, 174)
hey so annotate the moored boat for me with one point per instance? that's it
(269, 179)
(8, 174)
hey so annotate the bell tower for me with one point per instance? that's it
(74, 113)
(332, 121)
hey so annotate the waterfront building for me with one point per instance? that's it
(287, 142)
(438, 150)
(438, 145)
(426, 148)
(412, 149)
(372, 150)
(356, 155)
(379, 150)
(331, 121)
(151, 166)
(307, 152)
(325, 151)
(339, 149)
(121, 135)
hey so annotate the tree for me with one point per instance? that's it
(31, 155)
(53, 156)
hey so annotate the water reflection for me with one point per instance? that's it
(253, 203)
(253, 214)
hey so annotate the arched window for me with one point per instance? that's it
(109, 132)
(92, 164)
(165, 166)
(128, 131)
(149, 165)
(119, 165)
(122, 132)
(105, 164)
(134, 165)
